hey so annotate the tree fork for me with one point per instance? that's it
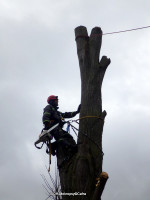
(81, 174)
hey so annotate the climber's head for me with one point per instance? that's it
(53, 100)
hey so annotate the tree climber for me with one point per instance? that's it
(52, 116)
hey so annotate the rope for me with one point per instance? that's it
(110, 33)
(49, 155)
(98, 117)
(74, 130)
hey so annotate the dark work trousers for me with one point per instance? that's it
(62, 136)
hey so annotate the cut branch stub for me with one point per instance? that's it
(101, 182)
(104, 62)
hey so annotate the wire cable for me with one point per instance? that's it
(122, 31)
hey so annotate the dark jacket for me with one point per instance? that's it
(52, 116)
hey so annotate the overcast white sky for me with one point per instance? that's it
(38, 58)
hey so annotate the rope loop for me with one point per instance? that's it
(98, 117)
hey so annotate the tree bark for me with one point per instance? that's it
(80, 173)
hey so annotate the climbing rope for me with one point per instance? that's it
(49, 155)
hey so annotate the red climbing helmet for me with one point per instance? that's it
(52, 97)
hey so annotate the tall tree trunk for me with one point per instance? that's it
(81, 172)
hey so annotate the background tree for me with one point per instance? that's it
(52, 187)
(83, 173)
